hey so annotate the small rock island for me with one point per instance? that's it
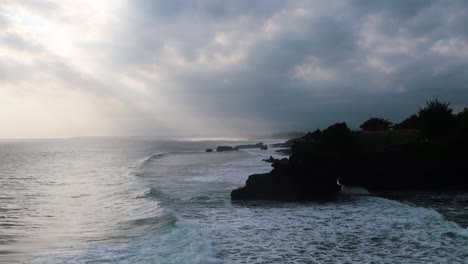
(259, 145)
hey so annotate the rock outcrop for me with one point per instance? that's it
(225, 148)
(251, 146)
(270, 160)
(302, 177)
(391, 161)
(287, 183)
(433, 157)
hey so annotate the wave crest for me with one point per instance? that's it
(150, 159)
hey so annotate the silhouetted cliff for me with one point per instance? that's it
(433, 156)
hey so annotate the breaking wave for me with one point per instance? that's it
(148, 160)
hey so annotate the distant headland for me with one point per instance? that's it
(428, 150)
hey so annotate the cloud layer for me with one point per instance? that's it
(147, 67)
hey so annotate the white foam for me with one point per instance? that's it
(173, 242)
(359, 229)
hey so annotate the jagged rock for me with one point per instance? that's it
(209, 150)
(286, 144)
(286, 183)
(280, 163)
(270, 160)
(306, 176)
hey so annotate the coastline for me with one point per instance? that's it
(318, 162)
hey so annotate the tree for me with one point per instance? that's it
(436, 120)
(336, 137)
(376, 124)
(411, 122)
(462, 124)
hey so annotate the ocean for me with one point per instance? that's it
(145, 200)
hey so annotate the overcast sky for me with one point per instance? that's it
(217, 67)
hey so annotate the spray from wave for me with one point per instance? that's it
(149, 159)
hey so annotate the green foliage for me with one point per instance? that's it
(436, 120)
(376, 124)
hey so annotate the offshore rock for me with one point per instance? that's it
(249, 146)
(225, 148)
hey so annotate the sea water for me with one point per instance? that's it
(143, 200)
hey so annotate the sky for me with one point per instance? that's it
(75, 68)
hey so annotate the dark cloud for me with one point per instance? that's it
(304, 64)
(402, 9)
(159, 10)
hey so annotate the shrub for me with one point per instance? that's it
(376, 124)
(411, 122)
(436, 120)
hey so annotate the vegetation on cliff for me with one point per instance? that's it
(376, 124)
(428, 150)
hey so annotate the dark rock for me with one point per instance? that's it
(281, 163)
(277, 145)
(286, 144)
(249, 146)
(286, 184)
(306, 176)
(284, 151)
(209, 150)
(225, 148)
(303, 177)
(270, 160)
(376, 161)
(413, 165)
(311, 137)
